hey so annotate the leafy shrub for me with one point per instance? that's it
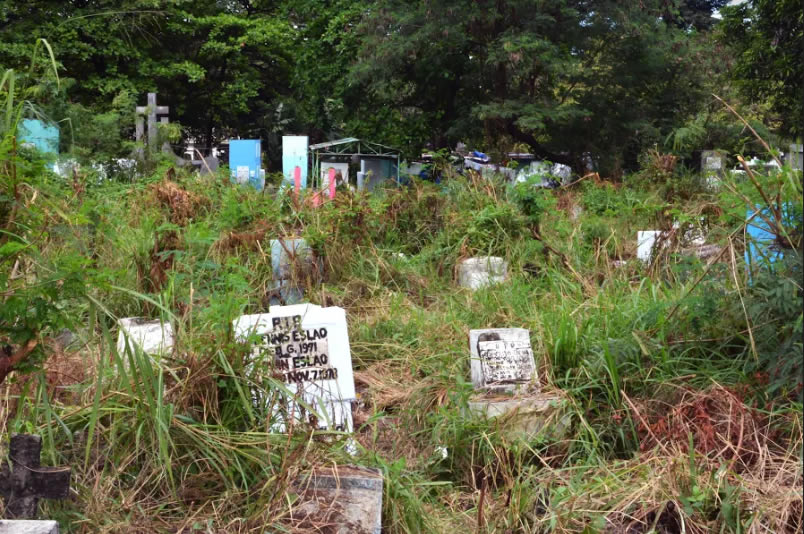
(533, 201)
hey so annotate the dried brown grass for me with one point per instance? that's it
(182, 205)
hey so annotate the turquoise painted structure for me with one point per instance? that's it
(761, 245)
(245, 162)
(43, 136)
(294, 154)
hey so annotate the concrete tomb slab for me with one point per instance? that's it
(475, 273)
(796, 156)
(646, 239)
(339, 500)
(505, 379)
(28, 527)
(151, 335)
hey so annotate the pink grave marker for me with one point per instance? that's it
(297, 179)
(331, 183)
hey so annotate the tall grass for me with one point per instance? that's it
(644, 356)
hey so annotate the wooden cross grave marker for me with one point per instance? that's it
(24, 482)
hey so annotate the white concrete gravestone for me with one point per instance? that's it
(645, 242)
(344, 499)
(307, 348)
(713, 166)
(475, 273)
(151, 336)
(502, 359)
(28, 527)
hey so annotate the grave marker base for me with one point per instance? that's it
(525, 415)
(340, 500)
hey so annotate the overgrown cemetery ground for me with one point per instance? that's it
(678, 379)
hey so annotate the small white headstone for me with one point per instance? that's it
(307, 348)
(151, 336)
(475, 273)
(20, 526)
(713, 164)
(645, 241)
(502, 359)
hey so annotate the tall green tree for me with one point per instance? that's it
(767, 37)
(565, 77)
(222, 67)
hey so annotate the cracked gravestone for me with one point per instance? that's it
(23, 481)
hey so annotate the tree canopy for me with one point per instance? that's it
(568, 79)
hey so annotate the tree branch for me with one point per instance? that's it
(8, 363)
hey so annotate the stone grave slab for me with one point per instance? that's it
(28, 527)
(339, 500)
(502, 359)
(306, 347)
(475, 273)
(151, 335)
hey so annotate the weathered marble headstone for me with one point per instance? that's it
(22, 526)
(475, 273)
(23, 481)
(796, 156)
(506, 384)
(339, 500)
(152, 336)
(713, 167)
(502, 359)
(293, 264)
(306, 347)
